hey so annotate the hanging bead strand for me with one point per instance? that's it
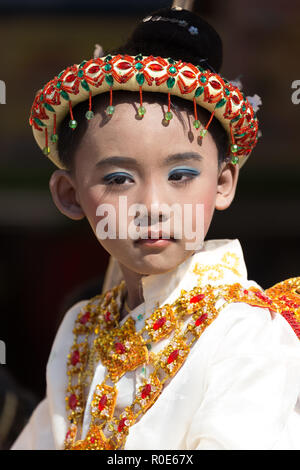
(89, 114)
(203, 131)
(169, 114)
(46, 149)
(110, 109)
(72, 122)
(234, 147)
(54, 136)
(142, 109)
(196, 122)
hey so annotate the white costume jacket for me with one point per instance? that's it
(238, 388)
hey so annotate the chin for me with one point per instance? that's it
(156, 263)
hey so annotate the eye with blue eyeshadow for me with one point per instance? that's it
(119, 177)
(114, 178)
(183, 171)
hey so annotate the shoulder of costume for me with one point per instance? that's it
(285, 296)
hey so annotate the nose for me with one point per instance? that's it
(152, 201)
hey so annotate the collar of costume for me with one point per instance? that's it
(218, 261)
(140, 73)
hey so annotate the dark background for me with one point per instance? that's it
(49, 262)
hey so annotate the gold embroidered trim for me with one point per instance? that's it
(121, 349)
(214, 272)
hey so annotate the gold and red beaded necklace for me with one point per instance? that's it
(99, 336)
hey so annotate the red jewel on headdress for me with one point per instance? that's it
(94, 69)
(156, 67)
(124, 65)
(188, 74)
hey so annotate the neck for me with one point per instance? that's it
(134, 287)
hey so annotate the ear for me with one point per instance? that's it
(227, 182)
(63, 190)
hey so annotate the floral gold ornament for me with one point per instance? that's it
(122, 349)
(141, 73)
(214, 272)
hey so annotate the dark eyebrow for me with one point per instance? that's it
(117, 161)
(182, 157)
(174, 158)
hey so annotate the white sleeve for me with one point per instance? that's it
(37, 434)
(251, 385)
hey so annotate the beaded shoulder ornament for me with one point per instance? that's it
(140, 73)
(98, 336)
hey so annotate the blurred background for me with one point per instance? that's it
(49, 262)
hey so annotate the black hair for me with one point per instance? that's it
(177, 34)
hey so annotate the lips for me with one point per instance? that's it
(156, 236)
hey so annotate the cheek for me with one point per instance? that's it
(205, 195)
(99, 205)
(90, 200)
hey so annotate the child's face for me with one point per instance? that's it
(156, 164)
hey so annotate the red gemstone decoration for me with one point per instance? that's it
(196, 298)
(50, 89)
(102, 402)
(75, 358)
(85, 318)
(201, 319)
(188, 74)
(73, 401)
(289, 302)
(159, 323)
(94, 69)
(235, 99)
(107, 316)
(263, 297)
(70, 78)
(120, 348)
(92, 440)
(124, 65)
(146, 391)
(216, 85)
(155, 67)
(121, 424)
(246, 292)
(173, 356)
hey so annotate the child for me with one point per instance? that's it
(181, 350)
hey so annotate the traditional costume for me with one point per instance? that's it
(231, 382)
(209, 360)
